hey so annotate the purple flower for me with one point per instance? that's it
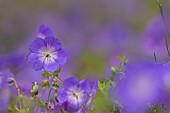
(140, 87)
(165, 93)
(154, 37)
(11, 61)
(74, 94)
(91, 96)
(50, 105)
(46, 53)
(44, 31)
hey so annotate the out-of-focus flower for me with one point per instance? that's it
(111, 37)
(44, 31)
(154, 38)
(140, 87)
(74, 94)
(165, 93)
(11, 61)
(47, 53)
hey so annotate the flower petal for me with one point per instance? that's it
(52, 42)
(62, 95)
(85, 85)
(44, 31)
(34, 60)
(57, 108)
(82, 98)
(71, 83)
(37, 44)
(61, 56)
(95, 87)
(51, 67)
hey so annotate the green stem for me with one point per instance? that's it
(162, 14)
(19, 93)
(43, 93)
(50, 92)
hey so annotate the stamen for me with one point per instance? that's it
(47, 55)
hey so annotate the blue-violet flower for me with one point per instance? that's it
(47, 54)
(74, 94)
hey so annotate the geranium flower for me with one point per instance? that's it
(47, 54)
(44, 31)
(74, 94)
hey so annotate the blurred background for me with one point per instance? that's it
(94, 33)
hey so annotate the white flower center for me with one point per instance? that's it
(75, 97)
(48, 55)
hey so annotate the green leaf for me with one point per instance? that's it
(46, 74)
(104, 85)
(57, 72)
(155, 110)
(12, 106)
(49, 74)
(24, 110)
(55, 84)
(45, 83)
(101, 104)
(41, 103)
(113, 69)
(122, 59)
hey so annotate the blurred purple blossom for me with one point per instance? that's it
(112, 38)
(11, 61)
(165, 92)
(140, 87)
(46, 53)
(153, 39)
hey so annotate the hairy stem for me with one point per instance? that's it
(19, 93)
(50, 92)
